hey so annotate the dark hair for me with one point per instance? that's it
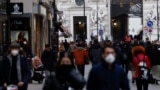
(65, 55)
(15, 45)
(20, 35)
(95, 41)
(107, 46)
(47, 45)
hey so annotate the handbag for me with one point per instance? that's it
(76, 80)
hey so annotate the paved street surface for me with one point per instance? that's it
(36, 86)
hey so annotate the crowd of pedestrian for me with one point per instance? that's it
(131, 55)
(111, 61)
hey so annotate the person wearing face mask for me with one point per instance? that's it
(65, 76)
(107, 75)
(16, 69)
(48, 59)
(27, 49)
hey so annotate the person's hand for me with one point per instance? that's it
(20, 84)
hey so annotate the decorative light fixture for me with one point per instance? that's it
(79, 22)
(115, 23)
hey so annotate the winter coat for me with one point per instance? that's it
(139, 58)
(27, 51)
(80, 54)
(119, 55)
(154, 55)
(1, 74)
(24, 70)
(101, 78)
(74, 80)
(95, 54)
(48, 59)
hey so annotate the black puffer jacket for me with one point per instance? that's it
(48, 59)
(74, 79)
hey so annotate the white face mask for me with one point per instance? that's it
(14, 52)
(110, 59)
(24, 43)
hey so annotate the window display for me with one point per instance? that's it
(16, 34)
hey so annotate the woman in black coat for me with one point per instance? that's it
(65, 76)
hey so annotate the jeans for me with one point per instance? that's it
(142, 84)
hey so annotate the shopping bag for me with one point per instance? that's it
(12, 87)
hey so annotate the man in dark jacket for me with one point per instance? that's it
(66, 45)
(16, 69)
(107, 75)
(95, 53)
(48, 59)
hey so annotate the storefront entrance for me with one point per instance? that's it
(80, 27)
(121, 11)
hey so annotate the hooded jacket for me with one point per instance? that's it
(79, 54)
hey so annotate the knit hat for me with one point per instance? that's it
(14, 45)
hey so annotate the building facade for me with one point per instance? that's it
(100, 11)
(33, 17)
(72, 15)
(151, 19)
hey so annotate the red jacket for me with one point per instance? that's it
(136, 62)
(127, 39)
(79, 55)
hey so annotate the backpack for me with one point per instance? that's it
(143, 70)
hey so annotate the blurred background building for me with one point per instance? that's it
(76, 19)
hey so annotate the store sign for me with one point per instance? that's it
(19, 23)
(16, 8)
